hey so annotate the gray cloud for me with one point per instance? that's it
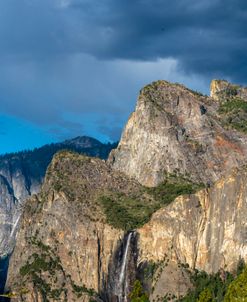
(68, 64)
(207, 37)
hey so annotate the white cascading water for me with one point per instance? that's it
(14, 227)
(122, 277)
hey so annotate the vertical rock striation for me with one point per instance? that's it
(206, 230)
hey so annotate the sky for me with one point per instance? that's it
(75, 67)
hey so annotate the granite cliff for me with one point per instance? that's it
(176, 130)
(68, 251)
(89, 233)
(206, 231)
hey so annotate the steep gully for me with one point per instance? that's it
(123, 270)
(122, 286)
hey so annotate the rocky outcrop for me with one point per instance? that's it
(206, 230)
(25, 171)
(21, 175)
(176, 130)
(221, 90)
(65, 246)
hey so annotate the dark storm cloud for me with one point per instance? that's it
(76, 65)
(207, 37)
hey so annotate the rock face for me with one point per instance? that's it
(65, 247)
(22, 173)
(176, 130)
(221, 90)
(9, 215)
(206, 230)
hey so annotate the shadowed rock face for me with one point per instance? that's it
(9, 214)
(176, 130)
(122, 270)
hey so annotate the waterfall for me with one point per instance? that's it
(14, 227)
(122, 281)
(122, 271)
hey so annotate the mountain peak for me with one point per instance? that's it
(177, 130)
(83, 142)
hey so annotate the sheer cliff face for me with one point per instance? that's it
(206, 230)
(64, 246)
(172, 130)
(9, 214)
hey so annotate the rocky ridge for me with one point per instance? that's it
(21, 175)
(176, 130)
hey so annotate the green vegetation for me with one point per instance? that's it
(231, 90)
(208, 287)
(154, 86)
(127, 213)
(130, 212)
(233, 114)
(219, 287)
(205, 296)
(39, 263)
(237, 290)
(44, 269)
(80, 290)
(138, 294)
(172, 187)
(45, 262)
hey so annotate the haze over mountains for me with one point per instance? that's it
(170, 200)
